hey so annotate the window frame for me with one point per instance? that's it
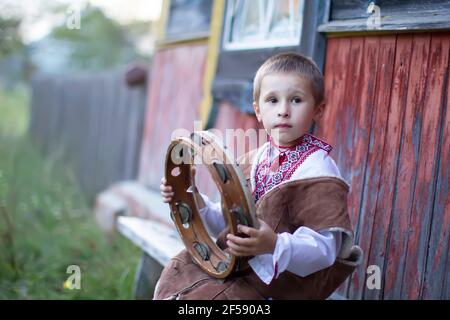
(261, 44)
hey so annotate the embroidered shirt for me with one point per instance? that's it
(279, 163)
(305, 251)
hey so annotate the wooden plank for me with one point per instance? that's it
(361, 149)
(143, 93)
(408, 159)
(350, 16)
(434, 20)
(348, 118)
(90, 143)
(427, 136)
(154, 88)
(436, 282)
(99, 104)
(161, 100)
(382, 219)
(349, 9)
(134, 134)
(122, 126)
(350, 104)
(160, 242)
(335, 76)
(110, 151)
(170, 109)
(372, 243)
(324, 130)
(380, 107)
(84, 142)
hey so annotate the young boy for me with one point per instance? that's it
(303, 248)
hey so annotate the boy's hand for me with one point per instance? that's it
(166, 191)
(260, 241)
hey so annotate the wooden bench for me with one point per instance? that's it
(158, 243)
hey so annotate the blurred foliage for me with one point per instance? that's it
(14, 111)
(46, 223)
(10, 40)
(101, 42)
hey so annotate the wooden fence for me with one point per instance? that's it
(95, 120)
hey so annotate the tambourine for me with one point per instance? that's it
(238, 207)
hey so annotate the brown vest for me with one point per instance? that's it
(317, 203)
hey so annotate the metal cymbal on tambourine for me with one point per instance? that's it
(237, 202)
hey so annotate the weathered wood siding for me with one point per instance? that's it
(175, 93)
(388, 118)
(95, 120)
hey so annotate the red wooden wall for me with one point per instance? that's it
(174, 95)
(388, 117)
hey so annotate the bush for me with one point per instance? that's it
(46, 224)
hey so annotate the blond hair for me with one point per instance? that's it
(291, 62)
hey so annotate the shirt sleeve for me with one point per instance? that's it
(302, 253)
(212, 216)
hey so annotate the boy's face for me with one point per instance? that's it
(286, 107)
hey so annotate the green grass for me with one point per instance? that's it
(14, 111)
(47, 225)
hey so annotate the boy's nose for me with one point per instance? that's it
(283, 111)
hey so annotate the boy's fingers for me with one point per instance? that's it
(241, 241)
(252, 232)
(236, 248)
(165, 188)
(163, 180)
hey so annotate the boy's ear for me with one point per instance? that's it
(257, 112)
(319, 111)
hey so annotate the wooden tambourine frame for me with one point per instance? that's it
(237, 202)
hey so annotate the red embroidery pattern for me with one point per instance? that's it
(265, 180)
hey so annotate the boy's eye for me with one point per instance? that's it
(272, 100)
(296, 100)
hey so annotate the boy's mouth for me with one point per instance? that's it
(283, 125)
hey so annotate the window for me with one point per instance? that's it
(188, 19)
(252, 24)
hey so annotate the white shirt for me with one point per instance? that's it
(303, 252)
